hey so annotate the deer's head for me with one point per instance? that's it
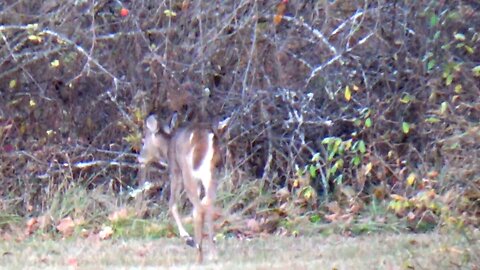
(155, 143)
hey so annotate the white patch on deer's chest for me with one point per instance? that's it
(204, 170)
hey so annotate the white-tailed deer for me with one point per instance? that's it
(192, 153)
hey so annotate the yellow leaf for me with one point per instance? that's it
(60, 41)
(355, 88)
(32, 27)
(347, 144)
(449, 79)
(296, 183)
(348, 93)
(32, 103)
(35, 38)
(55, 63)
(397, 197)
(406, 99)
(459, 36)
(23, 128)
(443, 107)
(12, 83)
(458, 88)
(138, 115)
(170, 13)
(368, 168)
(411, 179)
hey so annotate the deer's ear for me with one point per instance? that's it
(152, 123)
(173, 124)
(174, 121)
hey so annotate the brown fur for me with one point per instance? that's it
(176, 148)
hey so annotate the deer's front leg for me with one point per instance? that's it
(208, 206)
(198, 218)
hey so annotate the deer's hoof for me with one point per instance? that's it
(189, 241)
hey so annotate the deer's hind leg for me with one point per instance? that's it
(191, 188)
(175, 187)
(208, 206)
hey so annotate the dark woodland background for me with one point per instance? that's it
(335, 105)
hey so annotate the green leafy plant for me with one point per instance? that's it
(338, 152)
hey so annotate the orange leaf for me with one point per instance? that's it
(277, 19)
(432, 174)
(118, 215)
(332, 217)
(32, 226)
(66, 226)
(355, 208)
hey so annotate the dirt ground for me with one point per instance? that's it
(376, 251)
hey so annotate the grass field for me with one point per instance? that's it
(375, 251)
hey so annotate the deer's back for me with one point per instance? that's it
(197, 142)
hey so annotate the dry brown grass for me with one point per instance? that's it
(378, 251)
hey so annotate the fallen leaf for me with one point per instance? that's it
(332, 217)
(105, 233)
(253, 225)
(66, 226)
(118, 215)
(355, 208)
(31, 226)
(84, 233)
